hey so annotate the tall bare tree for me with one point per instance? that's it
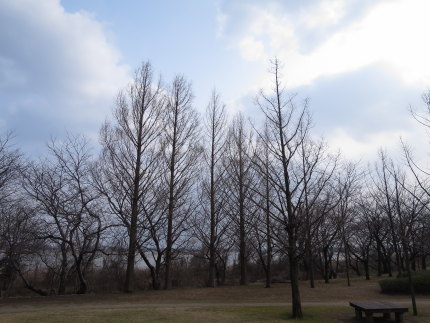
(262, 224)
(288, 127)
(212, 184)
(130, 154)
(240, 179)
(300, 170)
(181, 151)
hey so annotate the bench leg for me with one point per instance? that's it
(399, 317)
(386, 316)
(358, 314)
(369, 317)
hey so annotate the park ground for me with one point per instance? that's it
(252, 303)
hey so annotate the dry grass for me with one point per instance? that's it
(320, 314)
(325, 303)
(335, 292)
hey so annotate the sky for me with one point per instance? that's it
(361, 63)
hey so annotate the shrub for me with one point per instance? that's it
(400, 285)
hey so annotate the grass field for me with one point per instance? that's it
(252, 303)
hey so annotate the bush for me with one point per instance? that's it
(400, 285)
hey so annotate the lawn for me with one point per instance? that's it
(322, 314)
(252, 303)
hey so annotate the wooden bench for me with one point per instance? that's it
(369, 308)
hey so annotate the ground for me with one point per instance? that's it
(252, 303)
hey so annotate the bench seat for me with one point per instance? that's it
(371, 307)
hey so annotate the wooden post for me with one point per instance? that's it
(358, 314)
(399, 317)
(369, 317)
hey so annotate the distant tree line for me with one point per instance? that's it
(178, 199)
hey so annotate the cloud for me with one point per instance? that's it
(328, 12)
(388, 32)
(251, 49)
(59, 68)
(361, 62)
(364, 149)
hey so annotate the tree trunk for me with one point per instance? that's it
(379, 260)
(27, 284)
(295, 292)
(326, 266)
(129, 275)
(269, 247)
(390, 271)
(347, 261)
(172, 168)
(311, 271)
(212, 254)
(63, 270)
(132, 245)
(411, 285)
(242, 248)
(366, 268)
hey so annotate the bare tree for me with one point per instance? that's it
(404, 204)
(347, 189)
(327, 236)
(62, 192)
(408, 212)
(16, 225)
(420, 173)
(10, 168)
(130, 154)
(181, 151)
(262, 223)
(317, 199)
(360, 243)
(152, 227)
(383, 182)
(240, 179)
(18, 234)
(288, 127)
(212, 192)
(300, 171)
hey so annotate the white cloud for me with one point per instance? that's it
(328, 12)
(221, 19)
(390, 32)
(58, 66)
(379, 46)
(251, 49)
(366, 146)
